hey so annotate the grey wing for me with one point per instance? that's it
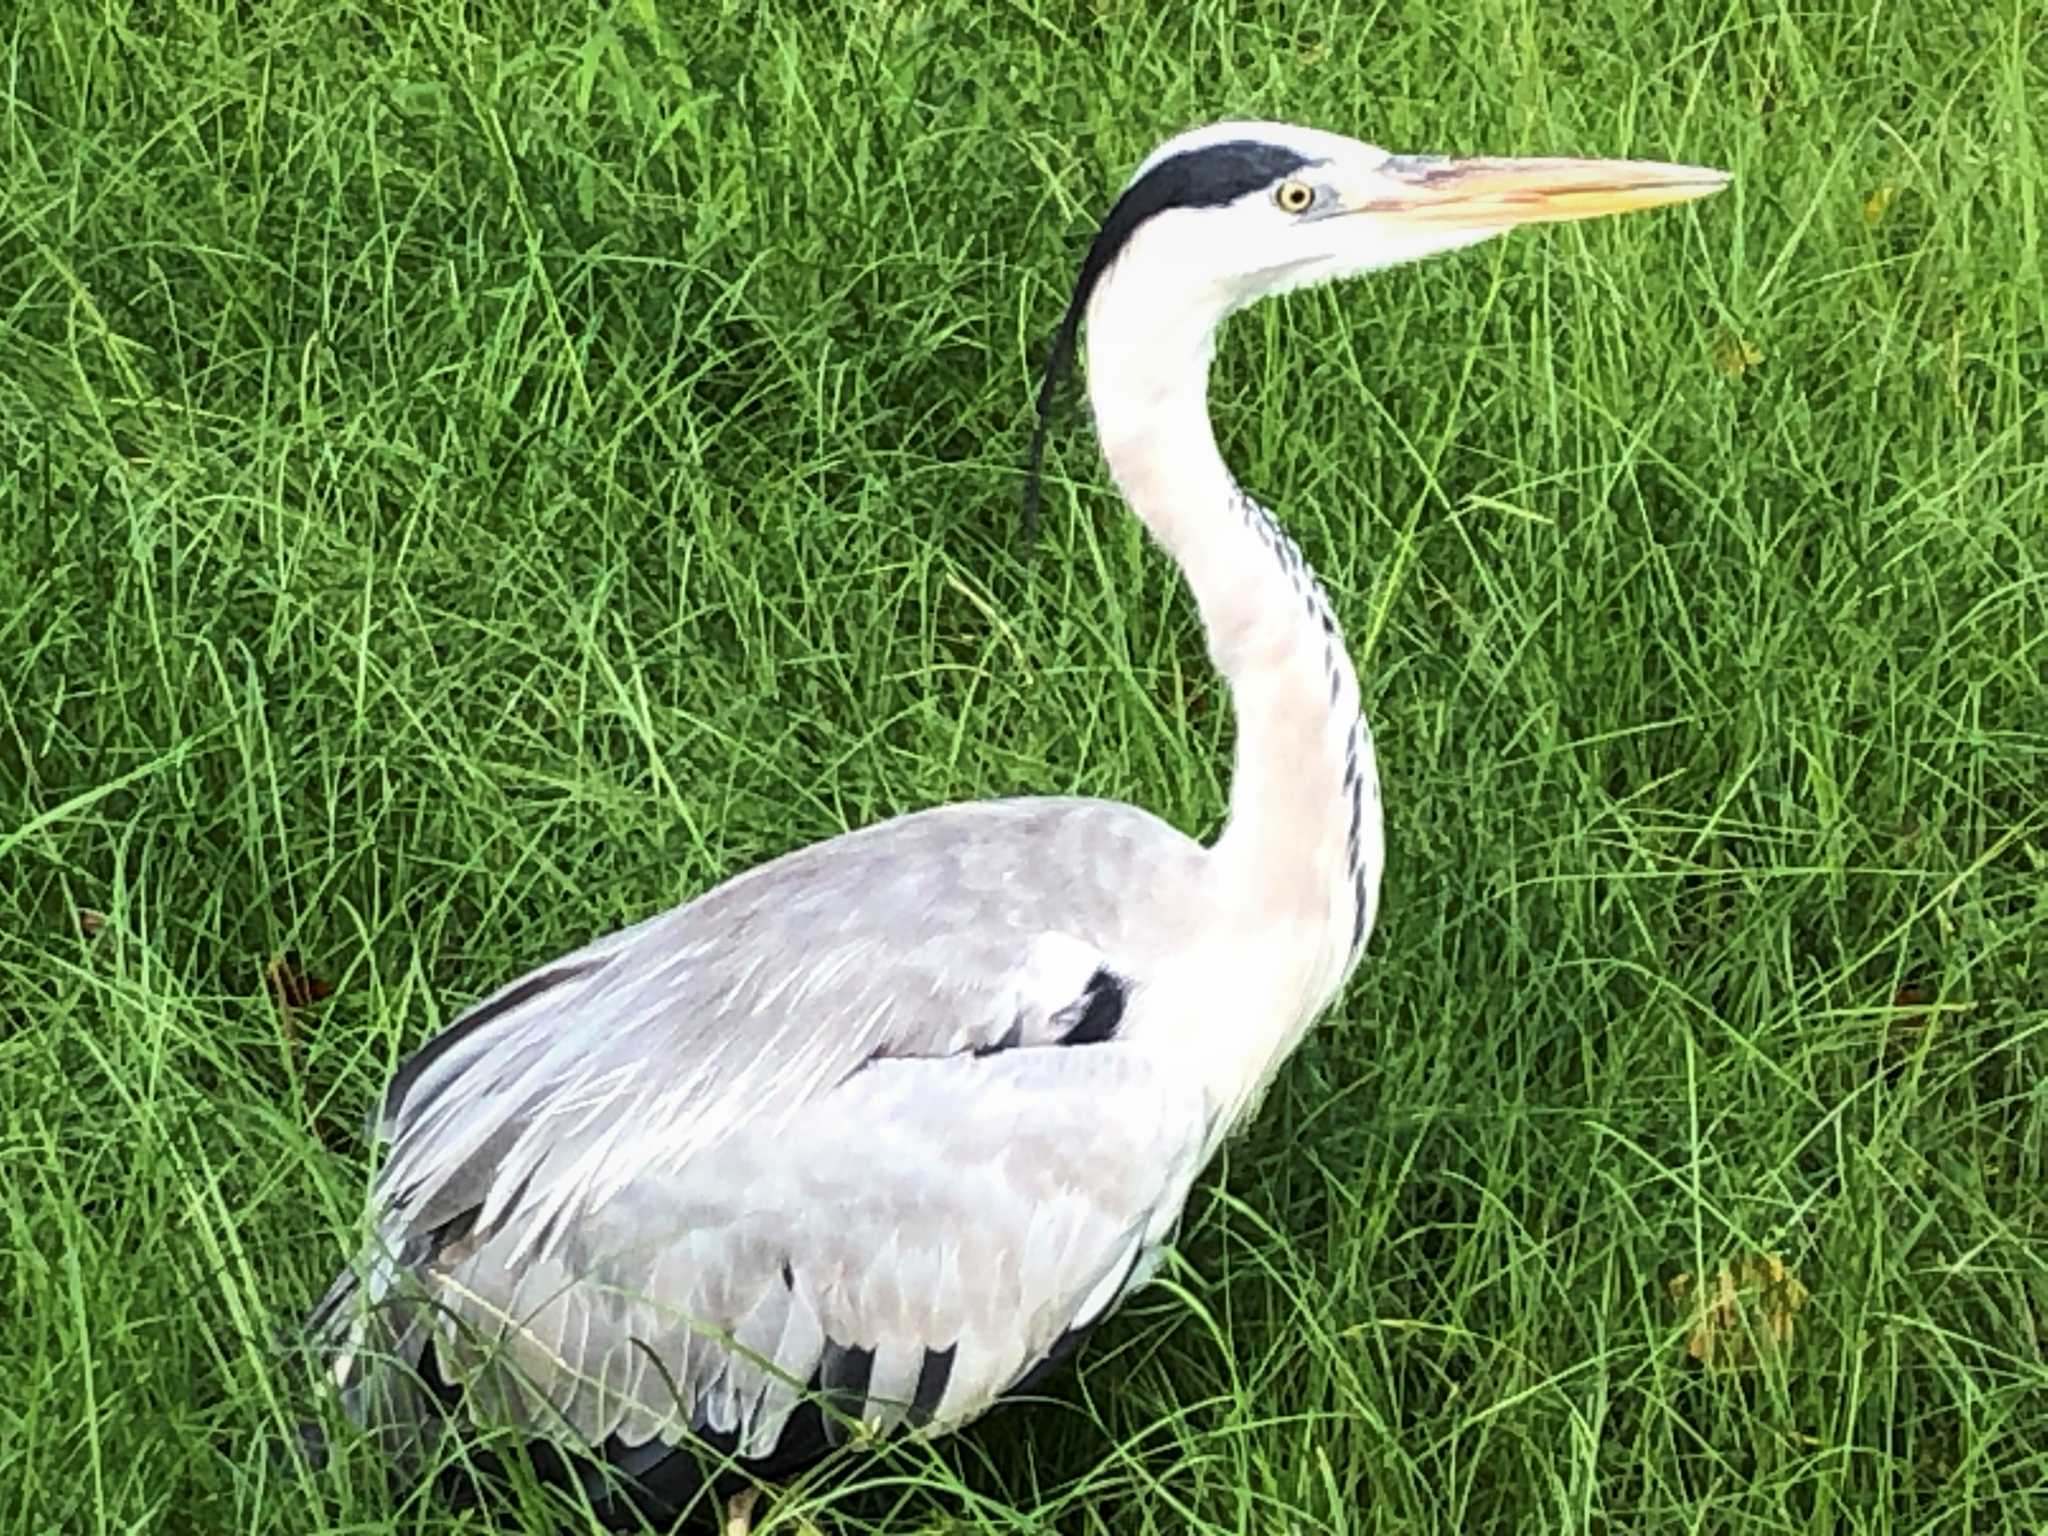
(585, 1130)
(951, 930)
(910, 1249)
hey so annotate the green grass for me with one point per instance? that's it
(471, 476)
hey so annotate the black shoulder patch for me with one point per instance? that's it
(1199, 178)
(525, 991)
(1100, 1010)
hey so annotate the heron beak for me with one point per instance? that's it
(1498, 194)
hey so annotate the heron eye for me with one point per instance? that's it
(1294, 196)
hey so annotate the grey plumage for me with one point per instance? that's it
(773, 1114)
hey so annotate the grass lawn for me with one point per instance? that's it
(472, 476)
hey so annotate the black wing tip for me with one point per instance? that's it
(934, 1375)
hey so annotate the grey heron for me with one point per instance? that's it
(864, 1139)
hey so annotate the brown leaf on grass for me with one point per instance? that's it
(290, 985)
(1743, 1313)
(1911, 1000)
(1916, 1020)
(291, 988)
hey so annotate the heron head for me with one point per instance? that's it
(1233, 212)
(1223, 215)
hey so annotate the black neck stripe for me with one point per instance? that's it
(1197, 178)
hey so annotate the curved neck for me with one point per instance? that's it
(1301, 849)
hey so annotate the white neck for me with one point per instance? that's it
(1300, 855)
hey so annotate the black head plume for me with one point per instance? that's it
(1208, 177)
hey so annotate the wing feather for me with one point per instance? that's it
(942, 1250)
(816, 1127)
(951, 930)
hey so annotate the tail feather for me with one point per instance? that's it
(367, 1337)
